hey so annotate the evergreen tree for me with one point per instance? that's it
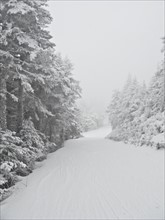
(22, 36)
(38, 93)
(137, 113)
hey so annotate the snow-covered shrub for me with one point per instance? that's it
(41, 157)
(159, 141)
(17, 157)
(9, 179)
(3, 181)
(140, 132)
(6, 180)
(115, 135)
(51, 147)
(36, 143)
(90, 120)
(30, 136)
(4, 193)
(10, 150)
(8, 166)
(153, 126)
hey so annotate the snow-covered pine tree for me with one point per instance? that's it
(156, 92)
(114, 110)
(37, 90)
(65, 92)
(137, 113)
(22, 36)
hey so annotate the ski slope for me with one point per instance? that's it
(92, 178)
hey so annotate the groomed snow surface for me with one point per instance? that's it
(92, 178)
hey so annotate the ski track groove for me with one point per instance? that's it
(115, 198)
(92, 178)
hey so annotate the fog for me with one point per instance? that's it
(106, 41)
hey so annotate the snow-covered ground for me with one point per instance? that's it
(92, 178)
(98, 133)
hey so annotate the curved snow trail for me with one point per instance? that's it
(92, 178)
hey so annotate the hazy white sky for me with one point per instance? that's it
(107, 40)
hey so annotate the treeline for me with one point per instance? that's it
(90, 120)
(37, 90)
(136, 113)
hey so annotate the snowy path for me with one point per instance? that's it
(92, 178)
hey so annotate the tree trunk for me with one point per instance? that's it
(11, 105)
(51, 130)
(20, 106)
(2, 102)
(62, 137)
